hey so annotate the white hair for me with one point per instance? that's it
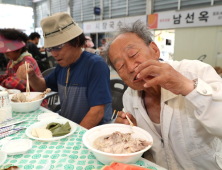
(138, 28)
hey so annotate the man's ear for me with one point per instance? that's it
(77, 45)
(155, 50)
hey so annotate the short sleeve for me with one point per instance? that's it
(51, 80)
(98, 91)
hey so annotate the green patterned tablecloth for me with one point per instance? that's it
(68, 153)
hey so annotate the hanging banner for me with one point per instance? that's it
(200, 17)
(111, 24)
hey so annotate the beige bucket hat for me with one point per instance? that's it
(58, 29)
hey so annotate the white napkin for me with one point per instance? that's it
(5, 113)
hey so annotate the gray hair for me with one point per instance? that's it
(138, 28)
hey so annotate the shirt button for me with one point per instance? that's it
(204, 91)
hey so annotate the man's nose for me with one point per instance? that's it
(131, 67)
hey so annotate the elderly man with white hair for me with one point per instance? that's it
(81, 78)
(178, 103)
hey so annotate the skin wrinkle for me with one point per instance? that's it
(66, 55)
(130, 46)
(122, 50)
(142, 60)
(121, 47)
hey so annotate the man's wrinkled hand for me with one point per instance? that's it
(156, 73)
(42, 49)
(121, 118)
(21, 72)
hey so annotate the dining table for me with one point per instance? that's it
(68, 153)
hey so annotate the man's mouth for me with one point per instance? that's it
(59, 60)
(136, 78)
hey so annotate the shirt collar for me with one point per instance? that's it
(166, 95)
(20, 58)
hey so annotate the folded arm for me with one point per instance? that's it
(13, 82)
(93, 117)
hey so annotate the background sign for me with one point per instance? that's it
(97, 10)
(110, 25)
(190, 18)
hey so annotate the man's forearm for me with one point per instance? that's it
(93, 117)
(37, 83)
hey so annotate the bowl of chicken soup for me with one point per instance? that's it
(27, 102)
(117, 143)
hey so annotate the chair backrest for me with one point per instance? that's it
(47, 72)
(3, 61)
(53, 101)
(202, 57)
(117, 88)
(52, 61)
(43, 65)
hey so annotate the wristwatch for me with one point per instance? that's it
(195, 81)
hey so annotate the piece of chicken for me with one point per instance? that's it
(8, 91)
(19, 97)
(120, 143)
(42, 95)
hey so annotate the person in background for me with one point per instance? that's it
(104, 45)
(218, 70)
(13, 45)
(81, 78)
(88, 46)
(178, 102)
(32, 46)
(3, 61)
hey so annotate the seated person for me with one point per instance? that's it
(32, 46)
(81, 78)
(103, 47)
(104, 44)
(88, 46)
(3, 61)
(178, 103)
(13, 45)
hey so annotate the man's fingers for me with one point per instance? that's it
(152, 82)
(122, 114)
(147, 64)
(118, 120)
(149, 71)
(30, 69)
(126, 122)
(129, 115)
(121, 120)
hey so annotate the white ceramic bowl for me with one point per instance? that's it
(13, 91)
(106, 158)
(45, 122)
(46, 116)
(26, 106)
(16, 147)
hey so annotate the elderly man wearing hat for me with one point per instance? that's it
(81, 78)
(13, 45)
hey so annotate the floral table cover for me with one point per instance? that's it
(68, 153)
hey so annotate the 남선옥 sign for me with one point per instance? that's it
(190, 18)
